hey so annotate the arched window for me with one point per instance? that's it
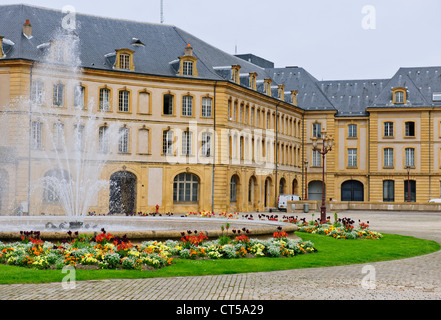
(186, 188)
(233, 188)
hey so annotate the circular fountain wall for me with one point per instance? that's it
(136, 228)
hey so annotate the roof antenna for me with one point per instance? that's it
(162, 11)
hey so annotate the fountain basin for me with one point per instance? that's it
(137, 229)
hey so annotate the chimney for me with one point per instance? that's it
(188, 50)
(27, 29)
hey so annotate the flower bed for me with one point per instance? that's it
(105, 251)
(340, 229)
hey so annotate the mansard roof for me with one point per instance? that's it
(157, 48)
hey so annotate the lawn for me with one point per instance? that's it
(331, 252)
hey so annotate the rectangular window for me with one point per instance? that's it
(186, 143)
(352, 158)
(410, 129)
(104, 99)
(58, 96)
(206, 144)
(123, 141)
(399, 97)
(388, 129)
(78, 137)
(206, 107)
(187, 106)
(316, 158)
(167, 142)
(103, 139)
(37, 92)
(36, 135)
(388, 191)
(124, 101)
(58, 136)
(409, 154)
(317, 130)
(352, 131)
(79, 97)
(388, 157)
(436, 96)
(124, 61)
(187, 68)
(167, 104)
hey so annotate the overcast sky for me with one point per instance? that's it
(339, 39)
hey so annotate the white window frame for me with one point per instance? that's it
(104, 99)
(187, 137)
(187, 68)
(124, 61)
(187, 106)
(167, 142)
(388, 157)
(352, 130)
(316, 158)
(388, 129)
(206, 144)
(123, 101)
(207, 103)
(352, 158)
(123, 140)
(409, 157)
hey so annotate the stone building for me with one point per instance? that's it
(196, 128)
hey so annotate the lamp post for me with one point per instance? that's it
(306, 180)
(328, 143)
(408, 167)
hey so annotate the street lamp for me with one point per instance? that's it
(328, 143)
(306, 180)
(408, 167)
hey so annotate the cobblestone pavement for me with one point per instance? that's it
(417, 278)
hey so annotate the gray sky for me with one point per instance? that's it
(330, 39)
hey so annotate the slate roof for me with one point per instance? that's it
(100, 36)
(309, 96)
(158, 48)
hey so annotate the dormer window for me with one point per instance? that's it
(187, 65)
(187, 68)
(267, 87)
(294, 97)
(235, 73)
(253, 77)
(281, 92)
(399, 96)
(124, 60)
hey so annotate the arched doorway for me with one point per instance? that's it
(267, 194)
(253, 196)
(282, 186)
(122, 192)
(295, 187)
(352, 190)
(315, 190)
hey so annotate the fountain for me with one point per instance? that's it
(36, 130)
